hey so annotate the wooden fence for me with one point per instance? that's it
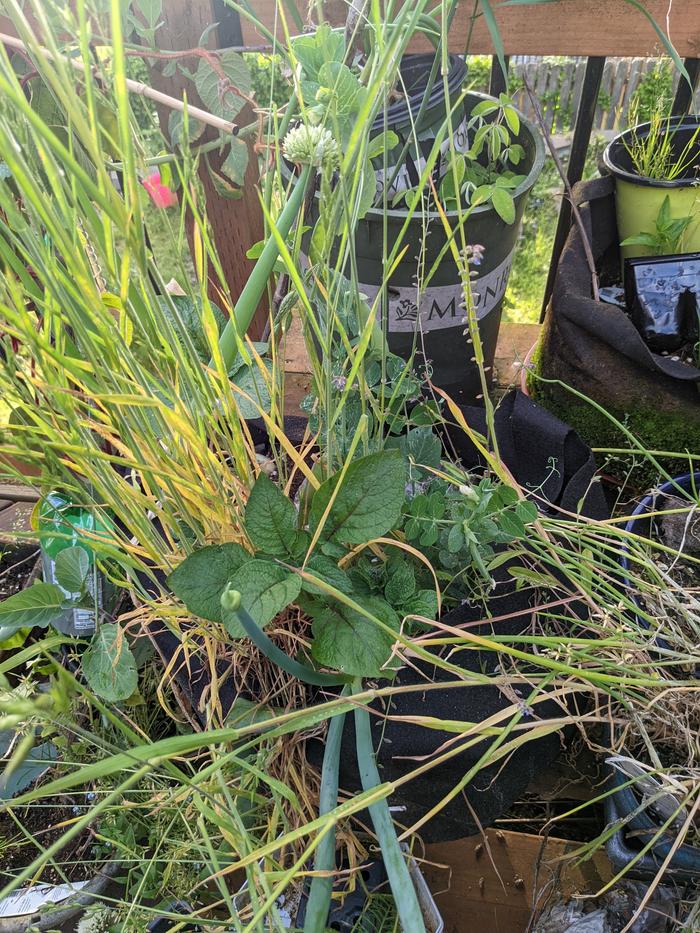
(558, 83)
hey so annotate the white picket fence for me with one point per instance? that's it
(557, 85)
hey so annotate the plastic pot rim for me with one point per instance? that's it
(399, 113)
(377, 213)
(644, 181)
(686, 482)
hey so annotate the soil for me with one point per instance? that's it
(47, 824)
(16, 567)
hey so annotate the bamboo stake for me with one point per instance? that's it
(137, 87)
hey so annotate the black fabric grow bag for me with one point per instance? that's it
(545, 455)
(595, 348)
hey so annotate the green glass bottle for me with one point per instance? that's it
(62, 524)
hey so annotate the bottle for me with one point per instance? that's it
(60, 524)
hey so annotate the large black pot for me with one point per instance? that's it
(433, 319)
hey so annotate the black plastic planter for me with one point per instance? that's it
(625, 845)
(639, 525)
(433, 318)
(402, 118)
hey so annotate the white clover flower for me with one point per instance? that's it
(311, 145)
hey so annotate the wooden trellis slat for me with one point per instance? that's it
(563, 27)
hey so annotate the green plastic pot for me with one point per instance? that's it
(638, 199)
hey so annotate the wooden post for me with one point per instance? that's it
(236, 224)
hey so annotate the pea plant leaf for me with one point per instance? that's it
(368, 503)
(270, 519)
(108, 664)
(220, 88)
(347, 641)
(72, 565)
(200, 579)
(503, 204)
(421, 447)
(266, 589)
(40, 604)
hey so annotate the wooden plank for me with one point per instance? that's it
(236, 224)
(563, 27)
(514, 343)
(15, 493)
(14, 521)
(496, 883)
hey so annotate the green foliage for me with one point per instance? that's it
(462, 528)
(38, 605)
(654, 93)
(200, 579)
(667, 235)
(71, 568)
(366, 504)
(346, 640)
(363, 503)
(266, 589)
(484, 174)
(271, 519)
(109, 664)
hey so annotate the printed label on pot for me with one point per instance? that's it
(30, 900)
(403, 180)
(441, 306)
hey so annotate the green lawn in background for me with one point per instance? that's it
(523, 301)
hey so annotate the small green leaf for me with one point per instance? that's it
(512, 119)
(200, 579)
(368, 503)
(108, 664)
(266, 589)
(270, 519)
(347, 641)
(503, 205)
(423, 603)
(40, 604)
(401, 584)
(511, 525)
(526, 511)
(235, 164)
(71, 568)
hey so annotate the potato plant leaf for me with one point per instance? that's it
(266, 589)
(347, 641)
(368, 503)
(270, 519)
(200, 579)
